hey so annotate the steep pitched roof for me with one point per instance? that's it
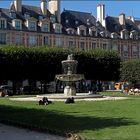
(73, 19)
(113, 25)
(34, 11)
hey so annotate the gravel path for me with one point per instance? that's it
(13, 133)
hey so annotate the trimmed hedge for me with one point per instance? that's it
(42, 63)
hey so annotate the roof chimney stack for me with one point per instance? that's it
(122, 19)
(43, 6)
(101, 14)
(18, 5)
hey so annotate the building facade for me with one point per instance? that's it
(41, 26)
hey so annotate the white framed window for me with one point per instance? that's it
(81, 30)
(104, 46)
(2, 23)
(125, 51)
(82, 45)
(2, 38)
(93, 45)
(70, 31)
(71, 44)
(124, 34)
(134, 35)
(115, 47)
(46, 40)
(135, 51)
(32, 26)
(93, 31)
(17, 24)
(18, 39)
(32, 40)
(52, 19)
(58, 42)
(57, 28)
(13, 15)
(45, 27)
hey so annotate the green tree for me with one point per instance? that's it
(130, 71)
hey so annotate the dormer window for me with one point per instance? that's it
(3, 24)
(92, 31)
(26, 15)
(40, 17)
(81, 30)
(13, 14)
(57, 28)
(114, 35)
(124, 34)
(102, 34)
(76, 22)
(67, 21)
(134, 34)
(17, 24)
(45, 27)
(70, 31)
(32, 26)
(88, 22)
(52, 19)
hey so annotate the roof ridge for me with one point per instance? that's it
(30, 6)
(77, 11)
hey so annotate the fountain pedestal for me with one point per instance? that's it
(69, 75)
(69, 91)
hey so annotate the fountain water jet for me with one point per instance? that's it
(69, 75)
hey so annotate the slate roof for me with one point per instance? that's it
(73, 19)
(33, 11)
(113, 25)
(70, 19)
(76, 18)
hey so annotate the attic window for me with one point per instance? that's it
(88, 22)
(116, 27)
(40, 17)
(13, 14)
(76, 22)
(67, 21)
(26, 15)
(53, 19)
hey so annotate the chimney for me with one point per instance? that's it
(122, 19)
(18, 5)
(54, 8)
(43, 6)
(101, 14)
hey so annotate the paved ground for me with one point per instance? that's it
(13, 133)
(84, 99)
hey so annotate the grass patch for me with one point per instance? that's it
(113, 120)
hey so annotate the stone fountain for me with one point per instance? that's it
(69, 75)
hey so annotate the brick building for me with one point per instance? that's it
(38, 26)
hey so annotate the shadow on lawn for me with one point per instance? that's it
(62, 122)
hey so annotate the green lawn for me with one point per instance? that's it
(114, 120)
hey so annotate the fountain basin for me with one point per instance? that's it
(69, 78)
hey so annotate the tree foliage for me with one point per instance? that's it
(130, 71)
(40, 63)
